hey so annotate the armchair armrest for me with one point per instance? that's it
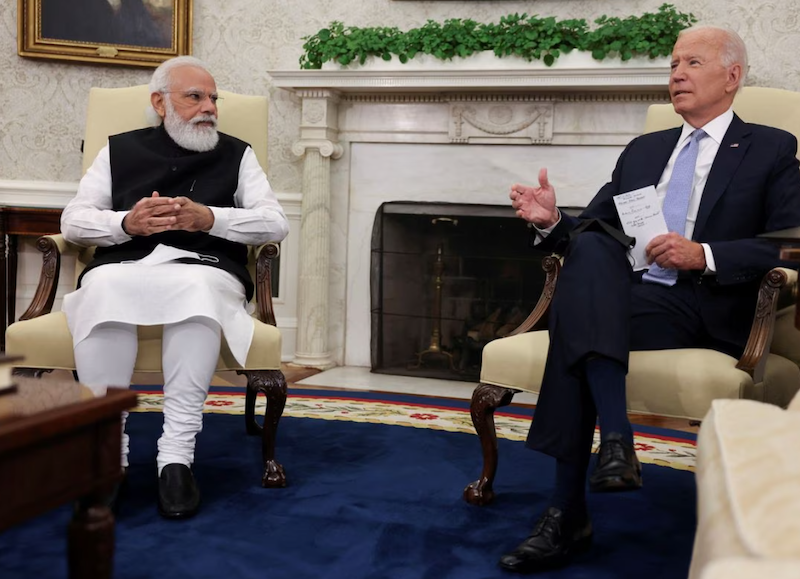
(263, 282)
(52, 247)
(777, 284)
(551, 266)
(773, 285)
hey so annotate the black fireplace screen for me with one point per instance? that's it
(446, 279)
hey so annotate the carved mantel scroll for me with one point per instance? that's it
(501, 122)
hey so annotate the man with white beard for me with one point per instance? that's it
(171, 209)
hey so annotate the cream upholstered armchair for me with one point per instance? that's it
(748, 507)
(42, 336)
(676, 383)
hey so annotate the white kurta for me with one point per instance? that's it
(155, 290)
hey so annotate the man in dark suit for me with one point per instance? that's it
(721, 182)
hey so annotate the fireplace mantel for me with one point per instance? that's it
(444, 134)
(579, 73)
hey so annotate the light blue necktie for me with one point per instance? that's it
(676, 203)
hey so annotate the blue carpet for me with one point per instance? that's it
(363, 501)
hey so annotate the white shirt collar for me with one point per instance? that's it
(715, 128)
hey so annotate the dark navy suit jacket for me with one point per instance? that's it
(753, 188)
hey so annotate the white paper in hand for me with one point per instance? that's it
(641, 217)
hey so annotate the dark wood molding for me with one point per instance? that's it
(14, 222)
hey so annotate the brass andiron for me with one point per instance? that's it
(435, 347)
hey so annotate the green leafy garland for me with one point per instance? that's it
(531, 37)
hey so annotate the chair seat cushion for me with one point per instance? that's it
(748, 478)
(680, 383)
(45, 342)
(741, 568)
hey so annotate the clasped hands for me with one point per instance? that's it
(156, 214)
(537, 205)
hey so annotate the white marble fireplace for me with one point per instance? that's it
(460, 135)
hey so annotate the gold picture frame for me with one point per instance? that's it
(124, 32)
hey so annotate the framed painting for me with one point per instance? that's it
(126, 32)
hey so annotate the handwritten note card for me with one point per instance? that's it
(641, 217)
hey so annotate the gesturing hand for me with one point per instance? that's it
(192, 216)
(151, 215)
(536, 205)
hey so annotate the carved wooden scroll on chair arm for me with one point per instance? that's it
(755, 353)
(551, 266)
(42, 302)
(263, 281)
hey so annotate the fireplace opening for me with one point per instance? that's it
(446, 279)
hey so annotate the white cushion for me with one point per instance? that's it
(741, 568)
(45, 342)
(748, 480)
(680, 383)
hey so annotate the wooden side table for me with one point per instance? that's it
(16, 221)
(57, 448)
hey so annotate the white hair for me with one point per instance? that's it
(733, 49)
(161, 81)
(190, 134)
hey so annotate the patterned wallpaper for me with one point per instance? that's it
(43, 102)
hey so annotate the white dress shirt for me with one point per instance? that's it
(256, 218)
(706, 154)
(158, 291)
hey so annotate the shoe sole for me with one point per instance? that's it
(580, 546)
(178, 515)
(612, 483)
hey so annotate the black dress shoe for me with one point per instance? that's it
(178, 495)
(553, 542)
(617, 467)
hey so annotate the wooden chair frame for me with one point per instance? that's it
(271, 383)
(487, 398)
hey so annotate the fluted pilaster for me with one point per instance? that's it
(318, 145)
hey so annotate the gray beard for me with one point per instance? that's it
(187, 134)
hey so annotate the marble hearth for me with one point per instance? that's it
(461, 135)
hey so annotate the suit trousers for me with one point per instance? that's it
(602, 308)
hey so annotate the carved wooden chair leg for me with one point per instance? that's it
(273, 384)
(485, 400)
(30, 372)
(252, 427)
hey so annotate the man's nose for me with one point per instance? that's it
(208, 106)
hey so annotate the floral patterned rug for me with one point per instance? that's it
(658, 446)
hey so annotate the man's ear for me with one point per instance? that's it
(157, 101)
(734, 78)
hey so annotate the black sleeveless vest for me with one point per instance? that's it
(148, 160)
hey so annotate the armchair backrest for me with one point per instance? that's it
(764, 106)
(117, 110)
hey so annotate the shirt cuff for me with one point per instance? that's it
(220, 226)
(711, 266)
(116, 222)
(542, 233)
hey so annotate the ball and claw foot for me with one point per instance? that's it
(478, 493)
(274, 477)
